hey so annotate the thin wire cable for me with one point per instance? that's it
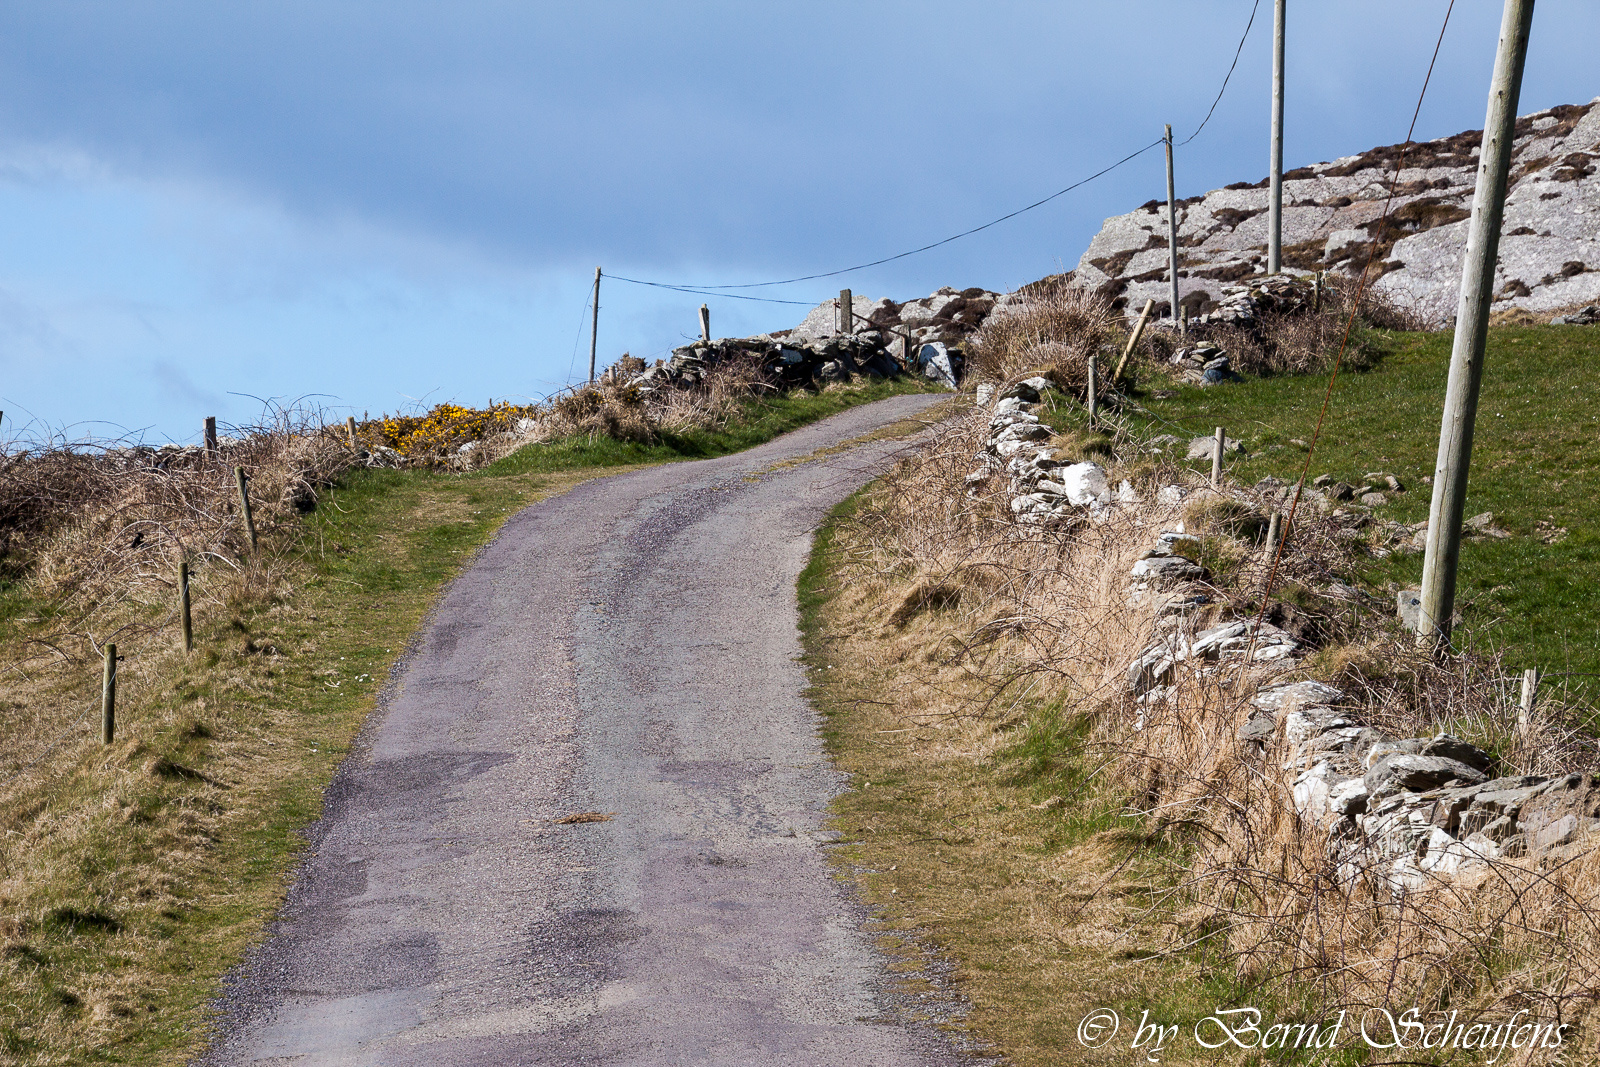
(708, 289)
(1355, 303)
(720, 290)
(705, 291)
(578, 339)
(1237, 53)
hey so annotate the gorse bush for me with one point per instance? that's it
(434, 437)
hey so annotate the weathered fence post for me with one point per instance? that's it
(705, 324)
(1216, 459)
(1316, 292)
(185, 620)
(1274, 531)
(1094, 399)
(1530, 692)
(1133, 340)
(350, 429)
(108, 697)
(211, 435)
(244, 505)
(847, 307)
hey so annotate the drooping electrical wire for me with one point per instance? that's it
(1226, 78)
(722, 290)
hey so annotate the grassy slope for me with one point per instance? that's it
(1536, 457)
(147, 869)
(942, 828)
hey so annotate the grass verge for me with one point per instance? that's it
(132, 877)
(1535, 466)
(975, 833)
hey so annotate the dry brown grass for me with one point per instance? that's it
(629, 413)
(1050, 330)
(1016, 627)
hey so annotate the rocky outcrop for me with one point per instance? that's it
(1549, 245)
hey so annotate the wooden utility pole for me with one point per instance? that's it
(847, 307)
(1275, 208)
(594, 324)
(1172, 229)
(185, 619)
(108, 696)
(1472, 319)
(705, 324)
(1133, 341)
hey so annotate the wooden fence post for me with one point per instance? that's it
(1133, 341)
(1094, 399)
(211, 435)
(244, 505)
(186, 621)
(1274, 531)
(350, 429)
(1530, 692)
(108, 697)
(1216, 459)
(705, 324)
(847, 308)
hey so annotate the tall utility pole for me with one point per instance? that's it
(1472, 319)
(1172, 229)
(594, 324)
(1275, 211)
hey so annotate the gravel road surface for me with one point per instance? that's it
(629, 647)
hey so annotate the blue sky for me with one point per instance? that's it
(204, 206)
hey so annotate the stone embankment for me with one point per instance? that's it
(1405, 810)
(1549, 245)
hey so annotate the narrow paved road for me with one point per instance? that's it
(630, 648)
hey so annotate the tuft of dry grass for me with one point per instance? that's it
(1049, 330)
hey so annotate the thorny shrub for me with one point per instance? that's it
(1041, 618)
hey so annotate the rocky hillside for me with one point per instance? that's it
(1549, 248)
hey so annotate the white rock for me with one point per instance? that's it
(1085, 484)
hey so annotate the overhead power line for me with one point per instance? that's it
(722, 290)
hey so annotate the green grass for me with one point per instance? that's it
(139, 874)
(1536, 458)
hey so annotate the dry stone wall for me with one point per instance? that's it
(923, 336)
